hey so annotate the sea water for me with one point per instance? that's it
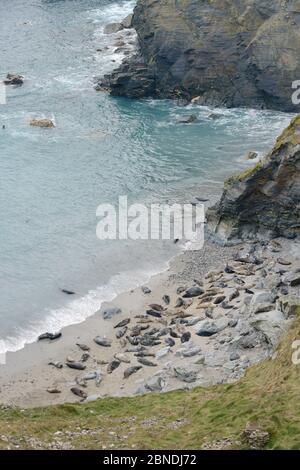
(52, 180)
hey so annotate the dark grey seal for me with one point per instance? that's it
(157, 307)
(193, 292)
(50, 336)
(122, 323)
(170, 341)
(153, 313)
(76, 365)
(185, 337)
(68, 292)
(79, 393)
(146, 290)
(114, 364)
(131, 370)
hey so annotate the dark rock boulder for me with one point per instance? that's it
(134, 76)
(14, 79)
(264, 201)
(229, 53)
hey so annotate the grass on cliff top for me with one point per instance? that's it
(268, 396)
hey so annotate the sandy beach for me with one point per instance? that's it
(188, 359)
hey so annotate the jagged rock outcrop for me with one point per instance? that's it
(264, 201)
(230, 53)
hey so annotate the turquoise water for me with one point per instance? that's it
(53, 180)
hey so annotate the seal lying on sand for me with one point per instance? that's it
(121, 332)
(76, 365)
(56, 364)
(114, 364)
(122, 323)
(131, 370)
(50, 336)
(153, 313)
(146, 362)
(78, 392)
(101, 341)
(83, 347)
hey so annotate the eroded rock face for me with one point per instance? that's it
(264, 201)
(231, 53)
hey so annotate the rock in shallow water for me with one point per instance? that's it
(46, 123)
(14, 79)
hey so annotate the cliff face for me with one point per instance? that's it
(265, 200)
(230, 53)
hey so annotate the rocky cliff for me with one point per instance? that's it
(264, 201)
(228, 52)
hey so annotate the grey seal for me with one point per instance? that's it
(50, 336)
(78, 392)
(101, 341)
(122, 323)
(146, 362)
(114, 364)
(131, 370)
(76, 365)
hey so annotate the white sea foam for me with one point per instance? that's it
(78, 309)
(110, 55)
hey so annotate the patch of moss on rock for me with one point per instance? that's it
(291, 135)
(243, 175)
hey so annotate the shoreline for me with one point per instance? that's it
(27, 375)
(22, 366)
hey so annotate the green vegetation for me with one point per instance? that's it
(243, 175)
(291, 135)
(268, 397)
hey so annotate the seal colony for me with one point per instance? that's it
(212, 315)
(197, 326)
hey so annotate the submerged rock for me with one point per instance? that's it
(187, 119)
